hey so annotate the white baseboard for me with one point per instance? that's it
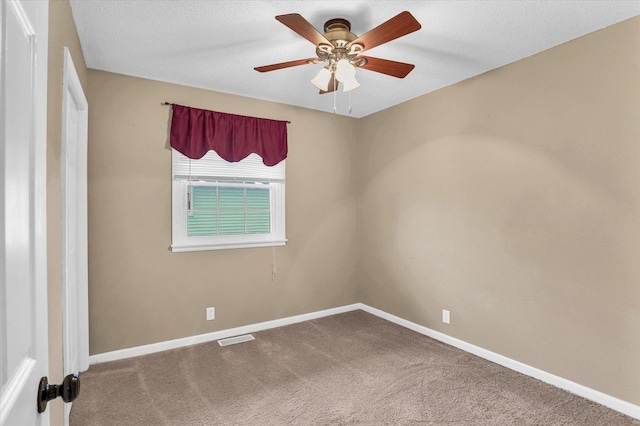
(216, 335)
(624, 407)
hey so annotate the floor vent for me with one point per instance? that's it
(234, 340)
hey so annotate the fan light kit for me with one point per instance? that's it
(341, 50)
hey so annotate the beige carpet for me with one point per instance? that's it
(348, 369)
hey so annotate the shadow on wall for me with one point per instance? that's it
(326, 251)
(479, 221)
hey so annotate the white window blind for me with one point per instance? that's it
(212, 166)
(218, 204)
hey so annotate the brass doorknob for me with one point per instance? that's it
(68, 390)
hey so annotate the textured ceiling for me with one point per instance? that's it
(216, 44)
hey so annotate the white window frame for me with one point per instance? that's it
(181, 242)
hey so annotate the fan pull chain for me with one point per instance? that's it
(335, 110)
(349, 102)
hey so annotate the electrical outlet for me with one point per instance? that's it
(446, 316)
(211, 313)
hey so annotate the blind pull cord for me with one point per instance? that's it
(273, 263)
(189, 188)
(271, 211)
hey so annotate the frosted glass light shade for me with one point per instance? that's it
(344, 70)
(321, 81)
(346, 74)
(350, 84)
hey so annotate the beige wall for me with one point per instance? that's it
(139, 291)
(62, 32)
(513, 200)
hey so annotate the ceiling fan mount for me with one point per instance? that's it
(342, 50)
(337, 23)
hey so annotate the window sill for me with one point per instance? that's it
(179, 248)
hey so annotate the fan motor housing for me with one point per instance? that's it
(338, 32)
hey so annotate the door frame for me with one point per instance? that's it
(74, 95)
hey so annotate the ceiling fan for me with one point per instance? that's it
(342, 50)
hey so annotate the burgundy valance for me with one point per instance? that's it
(195, 131)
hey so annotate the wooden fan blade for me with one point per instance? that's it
(281, 65)
(333, 85)
(400, 25)
(301, 26)
(386, 66)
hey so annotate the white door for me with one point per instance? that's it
(23, 295)
(74, 224)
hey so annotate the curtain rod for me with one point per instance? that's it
(169, 103)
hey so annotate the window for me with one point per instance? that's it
(221, 205)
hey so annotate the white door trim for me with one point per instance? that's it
(74, 225)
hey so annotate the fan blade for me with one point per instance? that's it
(386, 66)
(400, 25)
(281, 65)
(301, 26)
(333, 85)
